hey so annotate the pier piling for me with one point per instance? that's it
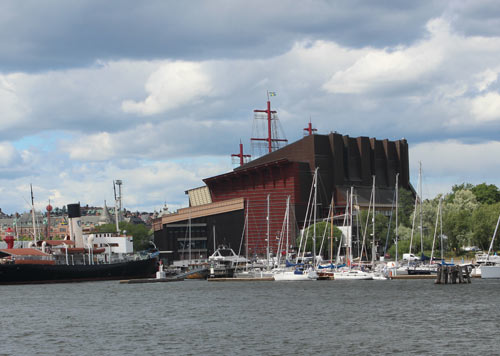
(453, 274)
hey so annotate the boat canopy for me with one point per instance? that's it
(21, 252)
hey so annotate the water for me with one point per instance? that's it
(251, 318)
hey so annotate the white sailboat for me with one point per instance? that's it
(299, 271)
(491, 270)
(347, 272)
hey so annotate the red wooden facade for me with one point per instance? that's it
(279, 180)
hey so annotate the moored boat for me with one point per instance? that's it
(100, 256)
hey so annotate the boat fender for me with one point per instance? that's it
(44, 244)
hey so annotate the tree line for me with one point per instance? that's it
(468, 217)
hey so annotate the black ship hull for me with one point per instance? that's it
(44, 273)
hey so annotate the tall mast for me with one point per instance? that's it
(116, 208)
(246, 233)
(315, 208)
(287, 225)
(189, 229)
(350, 226)
(414, 216)
(493, 239)
(441, 235)
(421, 225)
(267, 249)
(272, 135)
(438, 213)
(373, 224)
(331, 232)
(33, 214)
(397, 237)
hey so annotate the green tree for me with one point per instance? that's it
(406, 203)
(140, 233)
(322, 229)
(457, 218)
(486, 193)
(381, 227)
(484, 221)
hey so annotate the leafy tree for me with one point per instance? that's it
(484, 221)
(322, 229)
(140, 233)
(381, 227)
(406, 202)
(486, 193)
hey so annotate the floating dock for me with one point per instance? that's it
(150, 280)
(240, 279)
(414, 276)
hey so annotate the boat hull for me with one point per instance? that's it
(46, 273)
(292, 276)
(490, 272)
(352, 275)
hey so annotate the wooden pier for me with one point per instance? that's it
(453, 274)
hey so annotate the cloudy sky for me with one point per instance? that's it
(159, 93)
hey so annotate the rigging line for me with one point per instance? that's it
(243, 232)
(414, 216)
(305, 222)
(324, 232)
(363, 247)
(390, 222)
(323, 191)
(337, 260)
(257, 228)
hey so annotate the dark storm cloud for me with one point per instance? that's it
(60, 34)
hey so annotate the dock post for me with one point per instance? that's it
(439, 273)
(460, 274)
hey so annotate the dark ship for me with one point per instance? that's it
(91, 257)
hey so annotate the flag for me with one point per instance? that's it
(272, 93)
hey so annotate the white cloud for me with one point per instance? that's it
(9, 155)
(172, 85)
(12, 108)
(486, 107)
(391, 66)
(455, 158)
(446, 163)
(486, 78)
(95, 147)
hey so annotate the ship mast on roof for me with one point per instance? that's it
(242, 157)
(275, 138)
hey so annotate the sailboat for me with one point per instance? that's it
(299, 271)
(489, 269)
(418, 267)
(251, 271)
(347, 272)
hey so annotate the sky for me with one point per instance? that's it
(160, 93)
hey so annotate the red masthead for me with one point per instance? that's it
(309, 129)
(241, 155)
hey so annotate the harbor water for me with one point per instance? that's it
(399, 317)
